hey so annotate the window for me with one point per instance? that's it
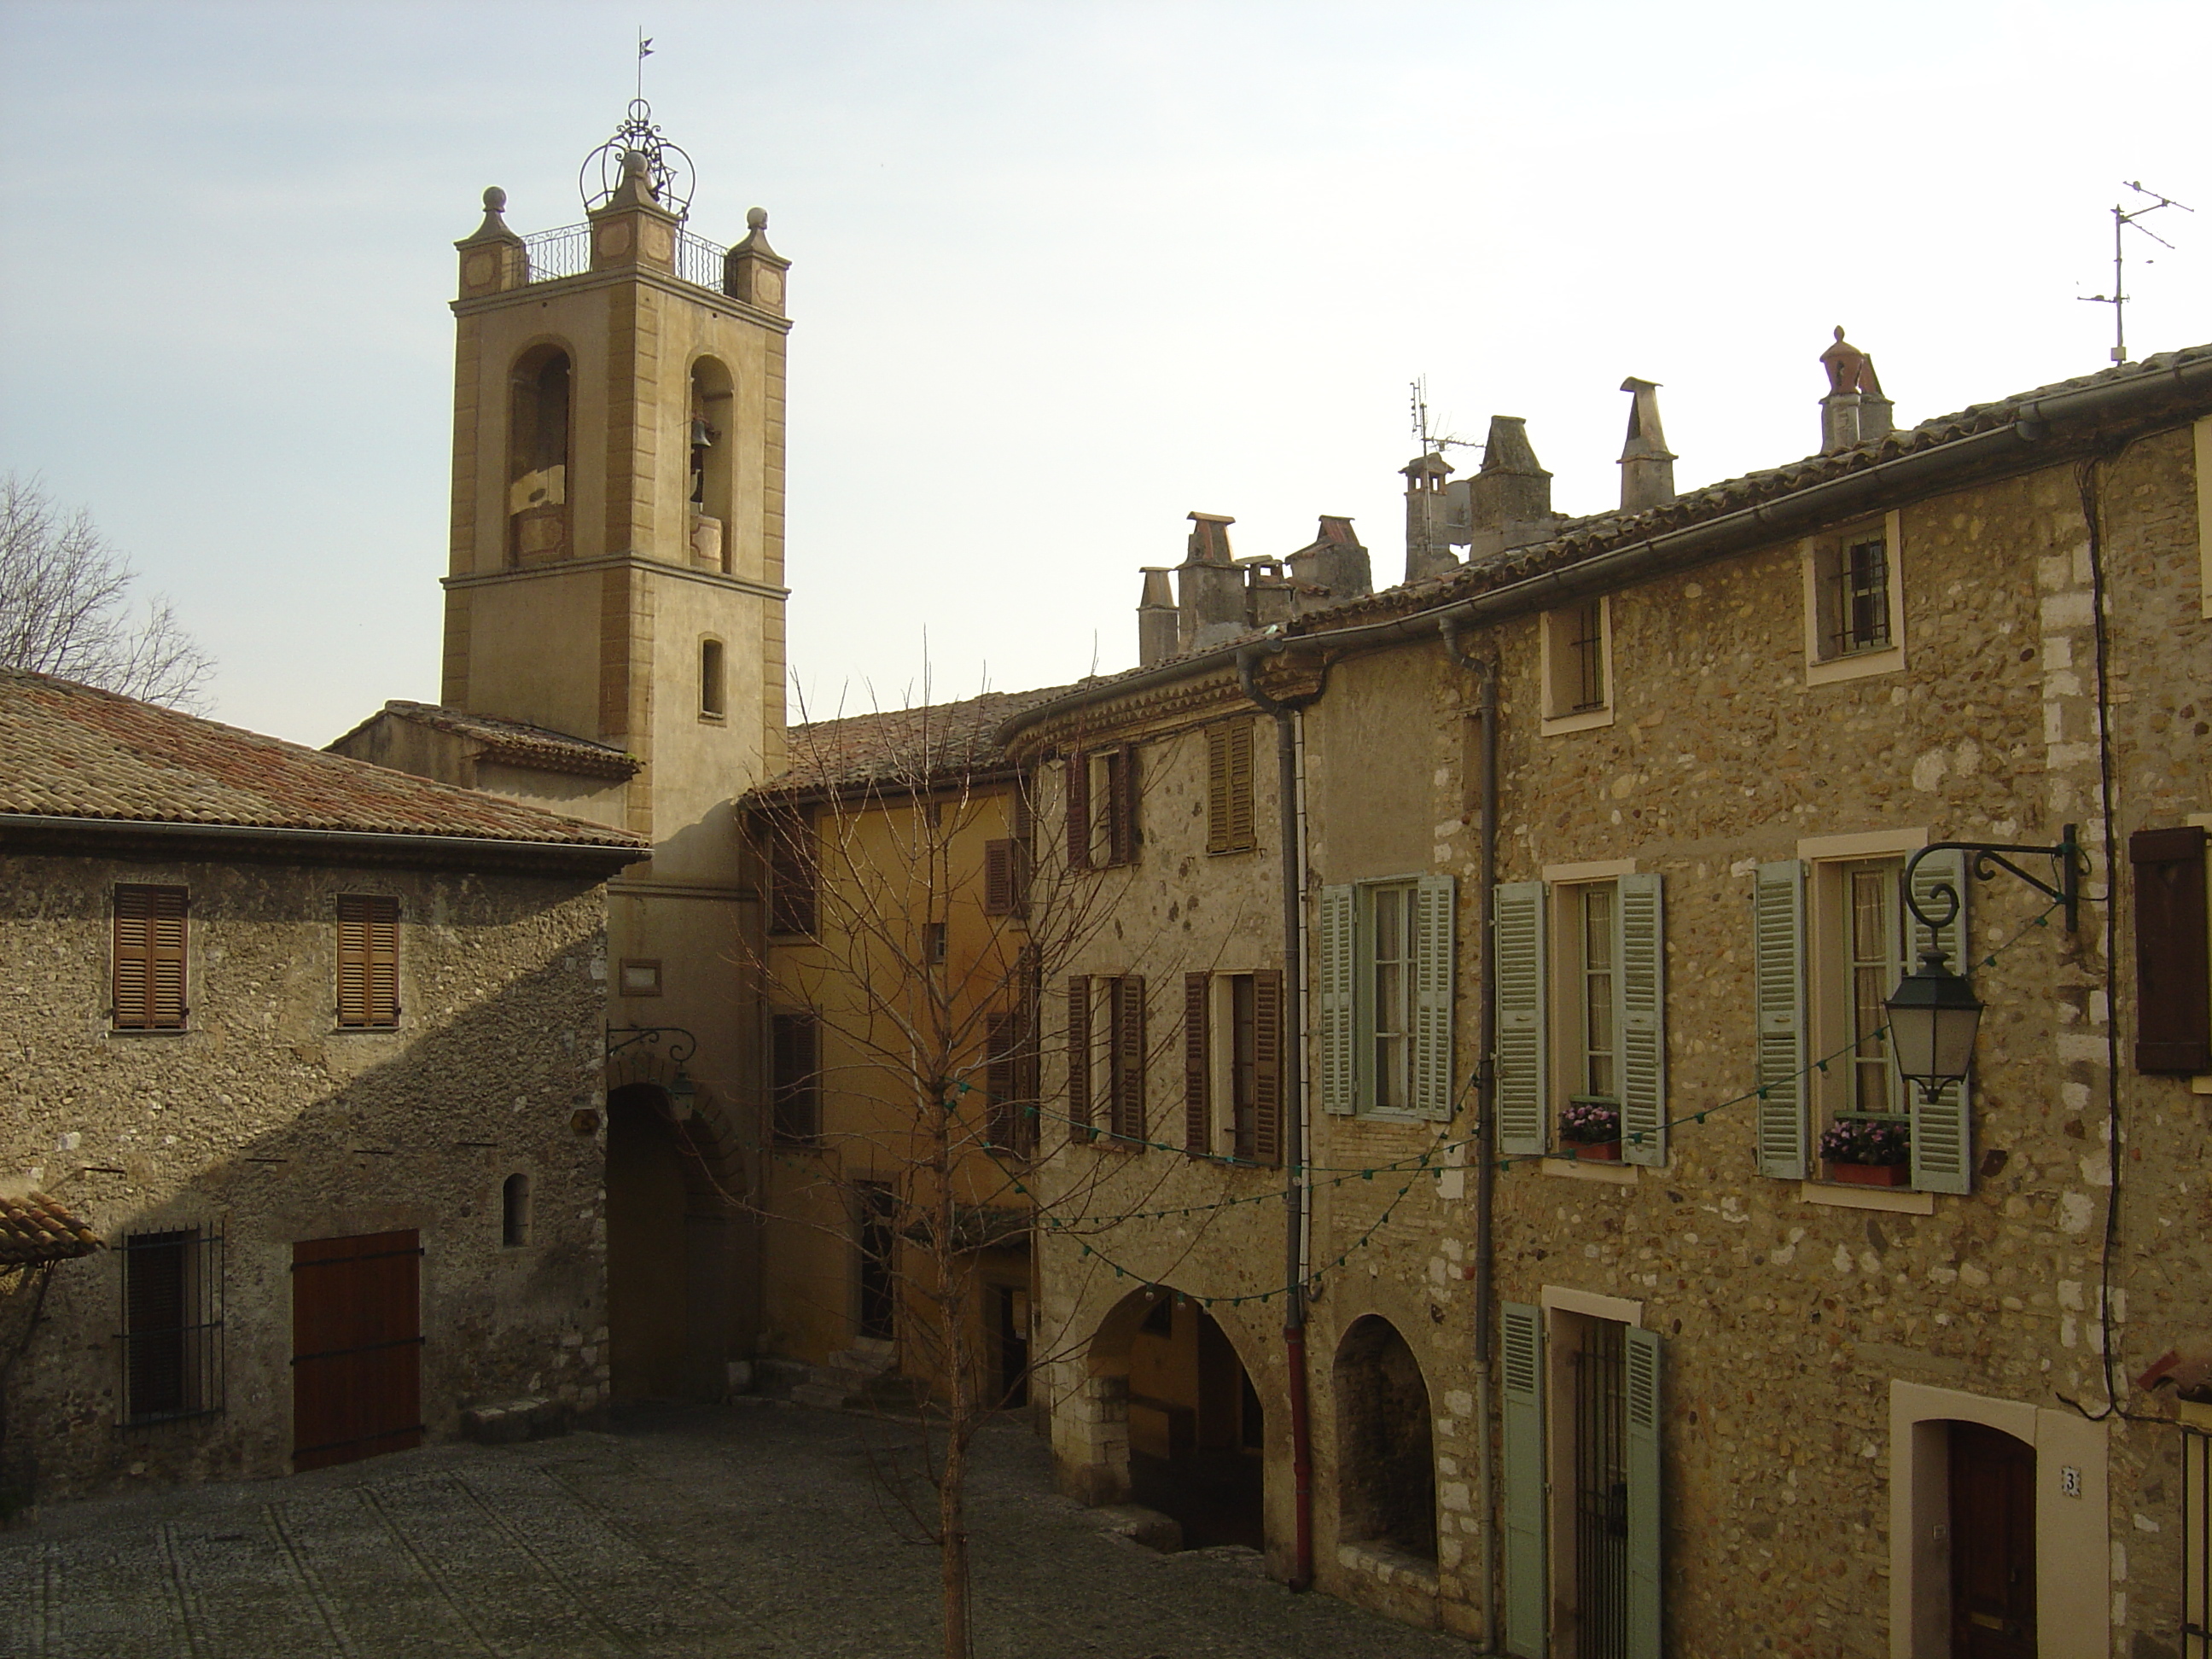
(641, 978)
(1102, 808)
(1830, 944)
(2174, 987)
(1575, 648)
(795, 1083)
(1010, 1079)
(514, 1212)
(537, 458)
(369, 959)
(1582, 1010)
(713, 700)
(1106, 1042)
(933, 944)
(877, 1289)
(1005, 878)
(793, 871)
(1581, 1478)
(172, 1324)
(1229, 822)
(149, 959)
(1385, 976)
(1853, 607)
(1233, 1066)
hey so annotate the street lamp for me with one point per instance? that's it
(1933, 1012)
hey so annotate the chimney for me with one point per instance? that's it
(1209, 587)
(1854, 412)
(1334, 564)
(1428, 549)
(1647, 467)
(1269, 594)
(1157, 627)
(1510, 499)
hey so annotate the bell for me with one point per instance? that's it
(702, 435)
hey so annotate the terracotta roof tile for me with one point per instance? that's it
(515, 742)
(70, 750)
(937, 741)
(34, 1229)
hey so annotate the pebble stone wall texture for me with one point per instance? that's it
(267, 1122)
(1787, 1320)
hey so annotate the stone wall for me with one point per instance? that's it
(267, 1122)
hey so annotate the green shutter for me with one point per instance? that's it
(1640, 1009)
(1943, 1129)
(1434, 944)
(1523, 1044)
(1521, 1352)
(1332, 982)
(1644, 1625)
(1778, 944)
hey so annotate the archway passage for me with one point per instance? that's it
(1197, 1433)
(647, 1253)
(1386, 1464)
(1992, 1481)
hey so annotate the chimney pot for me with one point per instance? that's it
(1647, 465)
(1855, 411)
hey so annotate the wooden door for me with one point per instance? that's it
(356, 1347)
(1992, 1544)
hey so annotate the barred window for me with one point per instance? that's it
(171, 1337)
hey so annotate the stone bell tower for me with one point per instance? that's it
(617, 577)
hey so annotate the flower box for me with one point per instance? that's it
(1594, 1152)
(1870, 1175)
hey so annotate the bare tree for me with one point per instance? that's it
(66, 609)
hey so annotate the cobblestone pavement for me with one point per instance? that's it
(750, 1529)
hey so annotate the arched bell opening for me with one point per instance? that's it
(710, 484)
(538, 463)
(1194, 1446)
(1385, 1491)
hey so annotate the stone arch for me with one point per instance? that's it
(710, 483)
(540, 443)
(1386, 1470)
(1175, 1423)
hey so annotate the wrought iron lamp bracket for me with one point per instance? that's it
(681, 1044)
(2065, 887)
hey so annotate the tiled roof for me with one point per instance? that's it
(937, 741)
(1582, 538)
(34, 1229)
(70, 750)
(520, 744)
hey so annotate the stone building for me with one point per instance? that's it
(313, 1050)
(1600, 835)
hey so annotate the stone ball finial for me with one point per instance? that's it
(494, 200)
(756, 218)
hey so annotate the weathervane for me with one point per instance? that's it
(2118, 299)
(668, 170)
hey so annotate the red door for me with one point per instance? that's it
(356, 1347)
(1992, 1544)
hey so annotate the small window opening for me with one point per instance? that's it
(1586, 646)
(1859, 601)
(933, 943)
(514, 1212)
(713, 704)
(172, 1325)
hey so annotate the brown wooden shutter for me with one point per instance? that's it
(1217, 789)
(2174, 1001)
(1078, 811)
(795, 1061)
(1267, 1066)
(1241, 835)
(793, 872)
(999, 877)
(149, 957)
(1197, 1064)
(1229, 788)
(1079, 1056)
(1129, 1057)
(369, 959)
(1001, 1048)
(1122, 826)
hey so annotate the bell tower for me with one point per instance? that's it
(616, 567)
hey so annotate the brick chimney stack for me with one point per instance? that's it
(1647, 466)
(1510, 499)
(1854, 412)
(1428, 543)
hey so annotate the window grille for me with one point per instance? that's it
(1587, 648)
(170, 1347)
(1859, 598)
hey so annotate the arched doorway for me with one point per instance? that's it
(1196, 1444)
(1992, 1537)
(1386, 1492)
(648, 1266)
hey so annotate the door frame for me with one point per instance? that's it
(2073, 1551)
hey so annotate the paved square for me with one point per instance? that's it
(752, 1529)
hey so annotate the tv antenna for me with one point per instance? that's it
(2118, 299)
(1432, 442)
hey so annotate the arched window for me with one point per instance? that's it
(711, 464)
(514, 1212)
(538, 456)
(713, 695)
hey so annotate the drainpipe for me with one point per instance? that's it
(1486, 1095)
(1288, 796)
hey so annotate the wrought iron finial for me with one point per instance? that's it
(666, 169)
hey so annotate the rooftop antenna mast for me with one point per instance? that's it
(1432, 442)
(2118, 299)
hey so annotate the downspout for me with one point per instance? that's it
(1485, 1090)
(1292, 859)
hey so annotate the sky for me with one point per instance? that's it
(1064, 271)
